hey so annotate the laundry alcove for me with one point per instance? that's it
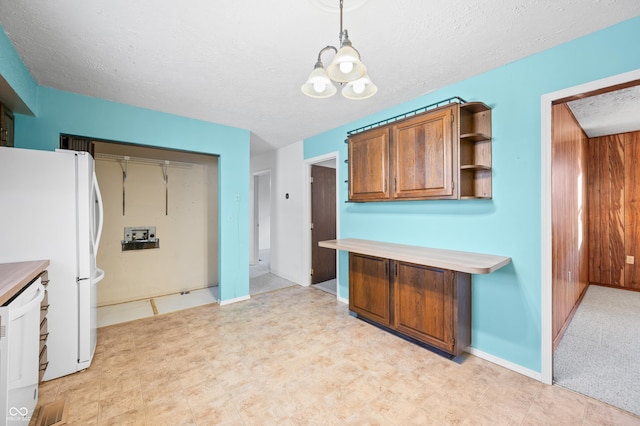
(176, 194)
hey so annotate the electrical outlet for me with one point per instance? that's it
(631, 260)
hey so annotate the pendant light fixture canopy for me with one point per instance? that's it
(346, 67)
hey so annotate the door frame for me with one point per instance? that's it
(546, 102)
(306, 221)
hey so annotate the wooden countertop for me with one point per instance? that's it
(473, 263)
(14, 276)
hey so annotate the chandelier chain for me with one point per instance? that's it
(341, 31)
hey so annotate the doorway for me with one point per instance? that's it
(149, 188)
(547, 189)
(323, 225)
(322, 221)
(260, 258)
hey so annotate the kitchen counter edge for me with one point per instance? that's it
(14, 276)
(473, 263)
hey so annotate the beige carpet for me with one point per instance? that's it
(598, 355)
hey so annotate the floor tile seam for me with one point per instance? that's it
(531, 404)
(154, 308)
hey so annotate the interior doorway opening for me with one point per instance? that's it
(548, 302)
(322, 223)
(147, 188)
(260, 259)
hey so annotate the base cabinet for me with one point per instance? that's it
(431, 305)
(369, 290)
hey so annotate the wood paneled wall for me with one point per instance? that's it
(570, 153)
(632, 208)
(614, 205)
(606, 210)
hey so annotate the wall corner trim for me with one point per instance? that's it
(235, 300)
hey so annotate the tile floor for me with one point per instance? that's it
(296, 357)
(328, 286)
(138, 309)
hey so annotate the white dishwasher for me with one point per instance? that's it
(19, 354)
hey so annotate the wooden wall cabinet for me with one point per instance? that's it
(369, 165)
(474, 165)
(6, 126)
(443, 153)
(431, 305)
(422, 156)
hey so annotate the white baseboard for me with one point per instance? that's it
(343, 300)
(506, 364)
(230, 301)
(286, 276)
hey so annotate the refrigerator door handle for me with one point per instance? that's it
(98, 235)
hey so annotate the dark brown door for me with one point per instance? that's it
(323, 223)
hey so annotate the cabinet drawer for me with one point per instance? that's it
(44, 306)
(44, 278)
(44, 333)
(43, 362)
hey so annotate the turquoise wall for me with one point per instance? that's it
(63, 112)
(15, 73)
(506, 303)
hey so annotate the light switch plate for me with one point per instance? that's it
(631, 260)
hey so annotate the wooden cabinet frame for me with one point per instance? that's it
(444, 153)
(431, 305)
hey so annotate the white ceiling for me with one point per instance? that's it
(608, 113)
(242, 62)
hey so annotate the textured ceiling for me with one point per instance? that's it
(609, 113)
(242, 62)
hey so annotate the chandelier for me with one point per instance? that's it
(345, 68)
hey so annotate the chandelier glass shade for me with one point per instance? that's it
(346, 67)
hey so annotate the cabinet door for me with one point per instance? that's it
(369, 165)
(369, 287)
(424, 305)
(423, 156)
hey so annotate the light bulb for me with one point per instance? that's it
(358, 86)
(319, 86)
(346, 67)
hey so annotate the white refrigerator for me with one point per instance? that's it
(51, 208)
